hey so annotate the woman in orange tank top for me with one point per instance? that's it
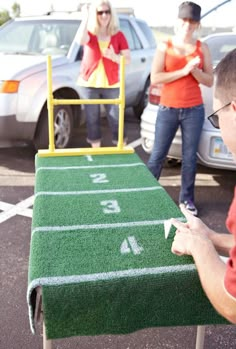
(181, 64)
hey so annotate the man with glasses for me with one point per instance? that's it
(194, 238)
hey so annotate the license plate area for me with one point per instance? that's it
(219, 150)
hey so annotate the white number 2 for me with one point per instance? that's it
(110, 206)
(99, 178)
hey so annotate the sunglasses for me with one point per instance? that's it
(106, 12)
(214, 118)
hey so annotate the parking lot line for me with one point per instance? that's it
(22, 208)
(135, 143)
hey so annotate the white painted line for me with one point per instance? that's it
(4, 206)
(22, 208)
(101, 226)
(135, 143)
(57, 168)
(105, 191)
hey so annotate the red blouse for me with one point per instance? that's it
(92, 55)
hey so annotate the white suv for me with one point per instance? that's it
(24, 44)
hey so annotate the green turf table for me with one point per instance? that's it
(99, 254)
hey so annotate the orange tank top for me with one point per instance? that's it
(184, 92)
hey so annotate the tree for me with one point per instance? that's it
(16, 9)
(4, 16)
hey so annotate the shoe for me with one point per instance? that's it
(189, 205)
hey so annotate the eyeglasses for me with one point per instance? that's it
(106, 12)
(214, 118)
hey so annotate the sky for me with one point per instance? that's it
(155, 12)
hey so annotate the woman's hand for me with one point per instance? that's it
(85, 11)
(191, 65)
(110, 54)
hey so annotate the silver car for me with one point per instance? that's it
(212, 152)
(24, 44)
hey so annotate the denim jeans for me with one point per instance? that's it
(190, 121)
(92, 111)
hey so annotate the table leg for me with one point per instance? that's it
(200, 337)
(47, 344)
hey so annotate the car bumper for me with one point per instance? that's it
(211, 151)
(11, 130)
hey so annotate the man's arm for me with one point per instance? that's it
(196, 239)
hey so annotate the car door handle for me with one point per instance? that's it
(143, 59)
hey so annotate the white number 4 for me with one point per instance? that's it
(130, 245)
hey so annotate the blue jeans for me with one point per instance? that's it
(92, 111)
(190, 121)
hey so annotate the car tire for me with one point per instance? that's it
(63, 127)
(138, 109)
(147, 145)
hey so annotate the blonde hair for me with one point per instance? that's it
(93, 24)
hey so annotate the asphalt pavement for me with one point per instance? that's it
(214, 189)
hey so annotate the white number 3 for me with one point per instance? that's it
(110, 206)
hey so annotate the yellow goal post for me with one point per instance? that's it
(51, 102)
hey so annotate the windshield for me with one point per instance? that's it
(41, 37)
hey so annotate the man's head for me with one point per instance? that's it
(225, 98)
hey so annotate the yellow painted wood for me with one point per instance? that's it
(51, 102)
(50, 106)
(85, 151)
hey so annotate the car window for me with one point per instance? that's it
(131, 36)
(39, 37)
(148, 33)
(15, 37)
(219, 46)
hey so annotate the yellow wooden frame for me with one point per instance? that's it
(51, 102)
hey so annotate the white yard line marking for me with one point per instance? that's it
(22, 208)
(58, 168)
(101, 226)
(105, 191)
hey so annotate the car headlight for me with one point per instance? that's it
(9, 86)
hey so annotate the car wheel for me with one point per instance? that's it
(147, 145)
(63, 127)
(138, 109)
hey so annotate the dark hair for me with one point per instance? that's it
(190, 10)
(225, 88)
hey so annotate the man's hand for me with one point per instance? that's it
(188, 234)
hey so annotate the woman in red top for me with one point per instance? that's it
(194, 237)
(181, 64)
(99, 74)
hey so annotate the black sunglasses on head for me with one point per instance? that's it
(214, 118)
